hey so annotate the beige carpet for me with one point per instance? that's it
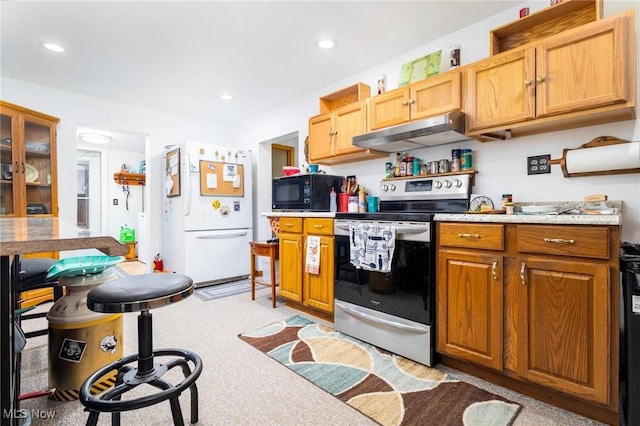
(239, 385)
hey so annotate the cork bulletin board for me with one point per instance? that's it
(221, 179)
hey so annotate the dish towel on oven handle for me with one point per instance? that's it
(312, 258)
(371, 246)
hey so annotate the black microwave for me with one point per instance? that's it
(304, 192)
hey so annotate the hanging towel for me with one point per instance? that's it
(312, 258)
(371, 246)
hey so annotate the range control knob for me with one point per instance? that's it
(458, 183)
(437, 184)
(447, 184)
(392, 187)
(385, 187)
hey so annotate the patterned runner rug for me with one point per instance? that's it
(388, 388)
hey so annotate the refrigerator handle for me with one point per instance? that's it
(221, 236)
(186, 177)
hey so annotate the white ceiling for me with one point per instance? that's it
(180, 56)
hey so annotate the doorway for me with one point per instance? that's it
(281, 155)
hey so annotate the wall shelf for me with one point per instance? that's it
(124, 178)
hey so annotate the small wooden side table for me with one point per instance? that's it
(270, 250)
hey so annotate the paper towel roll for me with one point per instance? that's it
(602, 158)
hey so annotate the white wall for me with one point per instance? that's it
(501, 165)
(79, 110)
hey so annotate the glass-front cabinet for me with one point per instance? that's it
(28, 174)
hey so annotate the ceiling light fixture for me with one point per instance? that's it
(54, 47)
(95, 138)
(226, 97)
(327, 43)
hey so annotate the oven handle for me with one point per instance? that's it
(357, 313)
(400, 229)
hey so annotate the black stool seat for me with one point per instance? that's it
(141, 293)
(33, 272)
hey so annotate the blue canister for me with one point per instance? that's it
(416, 166)
(466, 160)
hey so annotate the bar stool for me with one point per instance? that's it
(140, 293)
(33, 273)
(270, 250)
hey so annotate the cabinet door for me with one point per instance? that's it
(39, 168)
(501, 89)
(584, 68)
(318, 288)
(350, 121)
(320, 137)
(469, 307)
(10, 157)
(435, 95)
(291, 266)
(389, 109)
(564, 334)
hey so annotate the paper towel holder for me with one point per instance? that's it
(600, 141)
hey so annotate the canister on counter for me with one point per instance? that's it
(466, 160)
(506, 200)
(433, 167)
(424, 169)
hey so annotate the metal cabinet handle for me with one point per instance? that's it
(523, 268)
(405, 103)
(559, 241)
(23, 170)
(318, 226)
(412, 101)
(288, 224)
(539, 79)
(527, 82)
(469, 235)
(494, 268)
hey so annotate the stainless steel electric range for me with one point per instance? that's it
(393, 307)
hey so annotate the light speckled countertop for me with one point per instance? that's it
(549, 219)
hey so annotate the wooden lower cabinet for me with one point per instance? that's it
(540, 315)
(304, 289)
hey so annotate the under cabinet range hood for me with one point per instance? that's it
(439, 130)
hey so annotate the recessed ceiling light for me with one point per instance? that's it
(327, 43)
(95, 138)
(54, 47)
(226, 97)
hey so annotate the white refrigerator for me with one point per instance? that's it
(207, 212)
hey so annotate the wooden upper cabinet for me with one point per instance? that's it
(320, 136)
(349, 121)
(422, 99)
(583, 76)
(584, 68)
(500, 90)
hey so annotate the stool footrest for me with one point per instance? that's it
(110, 400)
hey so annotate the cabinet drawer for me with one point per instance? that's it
(581, 241)
(472, 235)
(291, 224)
(317, 226)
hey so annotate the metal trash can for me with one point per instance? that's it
(630, 339)
(80, 340)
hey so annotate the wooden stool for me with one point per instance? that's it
(270, 250)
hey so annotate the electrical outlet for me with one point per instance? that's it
(115, 201)
(538, 164)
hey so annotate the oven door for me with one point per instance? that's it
(406, 292)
